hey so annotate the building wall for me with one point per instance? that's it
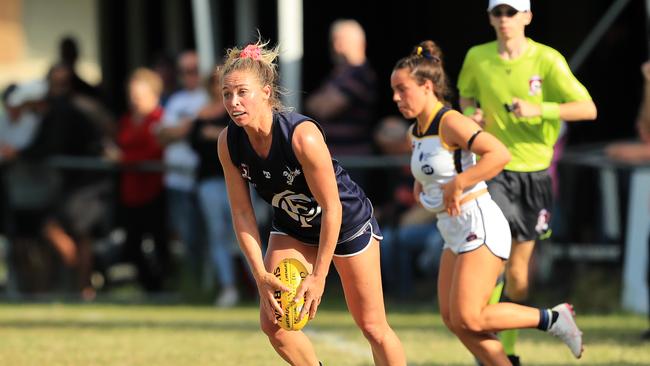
(30, 31)
(12, 37)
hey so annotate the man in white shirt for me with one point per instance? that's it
(18, 124)
(180, 112)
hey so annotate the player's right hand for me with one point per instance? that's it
(267, 285)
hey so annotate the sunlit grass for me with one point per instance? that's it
(65, 334)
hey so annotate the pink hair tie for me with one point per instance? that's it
(251, 51)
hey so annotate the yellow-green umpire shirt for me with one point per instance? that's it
(541, 74)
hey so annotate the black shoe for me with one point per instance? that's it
(646, 335)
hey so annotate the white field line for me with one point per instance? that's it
(340, 343)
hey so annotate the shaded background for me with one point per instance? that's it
(116, 36)
(610, 72)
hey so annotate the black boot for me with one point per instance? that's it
(514, 360)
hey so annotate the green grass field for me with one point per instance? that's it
(106, 334)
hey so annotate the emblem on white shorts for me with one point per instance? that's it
(427, 169)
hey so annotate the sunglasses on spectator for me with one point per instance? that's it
(504, 12)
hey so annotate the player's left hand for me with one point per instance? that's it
(522, 108)
(311, 288)
(451, 193)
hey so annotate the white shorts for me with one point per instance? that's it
(480, 222)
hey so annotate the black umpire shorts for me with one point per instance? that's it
(525, 199)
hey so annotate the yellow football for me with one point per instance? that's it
(291, 272)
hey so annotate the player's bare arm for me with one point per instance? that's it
(311, 150)
(245, 224)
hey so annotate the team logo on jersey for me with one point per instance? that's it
(534, 85)
(298, 206)
(291, 175)
(427, 169)
(267, 175)
(245, 172)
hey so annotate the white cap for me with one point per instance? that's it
(30, 91)
(521, 5)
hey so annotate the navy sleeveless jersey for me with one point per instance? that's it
(280, 181)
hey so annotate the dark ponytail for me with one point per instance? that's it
(425, 63)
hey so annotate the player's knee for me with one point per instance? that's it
(517, 285)
(373, 331)
(447, 320)
(517, 290)
(517, 272)
(517, 294)
(462, 322)
(270, 329)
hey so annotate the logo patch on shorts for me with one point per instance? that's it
(471, 237)
(543, 220)
(427, 169)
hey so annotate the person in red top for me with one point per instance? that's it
(141, 193)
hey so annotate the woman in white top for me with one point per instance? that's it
(451, 183)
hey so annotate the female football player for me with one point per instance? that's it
(450, 182)
(319, 214)
(521, 91)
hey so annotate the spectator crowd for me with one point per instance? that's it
(84, 189)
